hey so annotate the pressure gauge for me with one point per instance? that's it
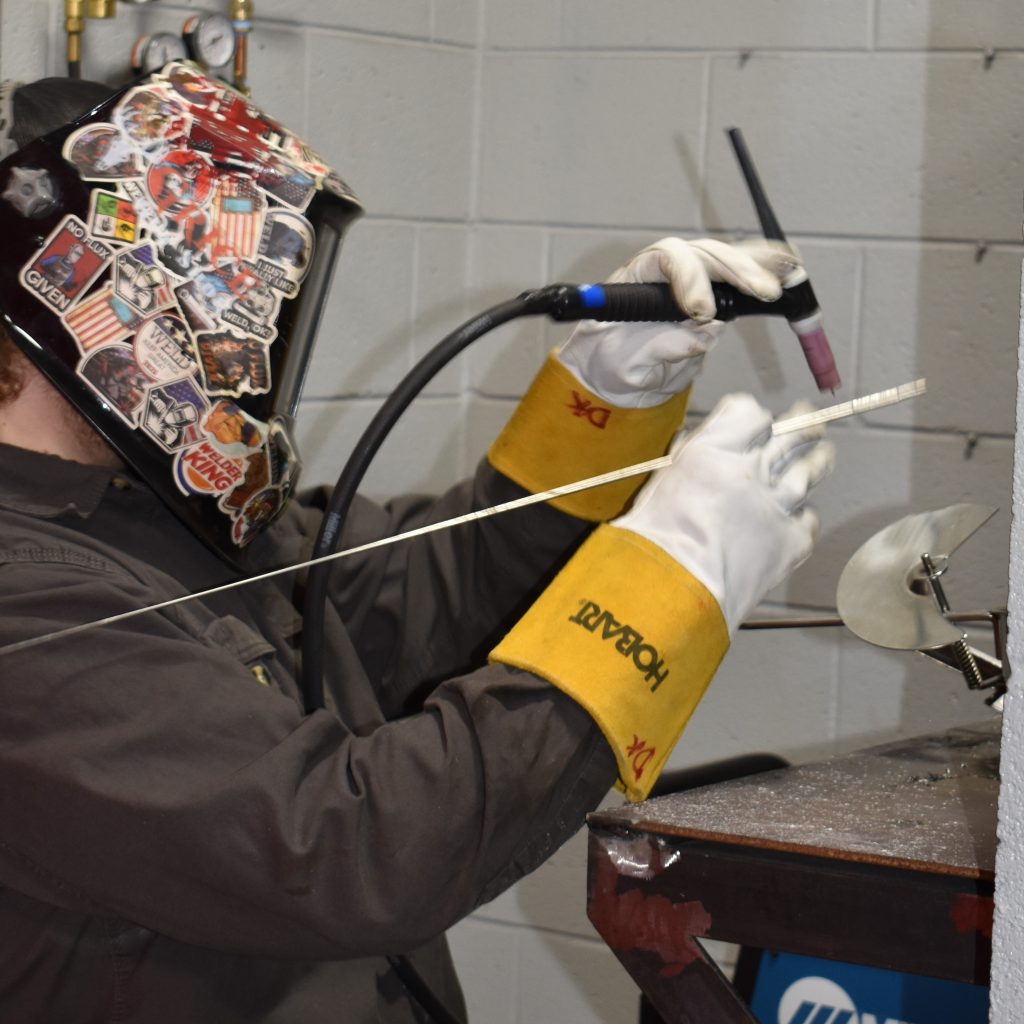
(152, 52)
(210, 39)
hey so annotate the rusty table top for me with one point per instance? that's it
(927, 804)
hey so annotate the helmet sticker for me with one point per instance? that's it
(202, 469)
(188, 84)
(204, 298)
(152, 119)
(101, 152)
(198, 231)
(163, 347)
(275, 276)
(232, 430)
(256, 468)
(232, 364)
(112, 218)
(101, 319)
(286, 182)
(173, 414)
(288, 243)
(68, 263)
(257, 513)
(255, 310)
(238, 211)
(140, 281)
(117, 378)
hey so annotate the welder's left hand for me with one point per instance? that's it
(635, 625)
(634, 366)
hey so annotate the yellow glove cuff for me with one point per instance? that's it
(633, 638)
(561, 432)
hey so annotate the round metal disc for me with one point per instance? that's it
(883, 594)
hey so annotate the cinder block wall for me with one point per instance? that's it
(503, 145)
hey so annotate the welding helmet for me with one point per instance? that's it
(165, 263)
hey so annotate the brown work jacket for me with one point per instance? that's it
(181, 844)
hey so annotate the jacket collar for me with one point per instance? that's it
(48, 486)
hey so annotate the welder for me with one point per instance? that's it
(181, 841)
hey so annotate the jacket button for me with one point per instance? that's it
(261, 674)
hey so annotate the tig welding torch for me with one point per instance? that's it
(804, 314)
(640, 303)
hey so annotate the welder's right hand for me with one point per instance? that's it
(616, 393)
(635, 625)
(637, 365)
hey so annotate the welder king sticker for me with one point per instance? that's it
(202, 469)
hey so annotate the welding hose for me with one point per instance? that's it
(355, 469)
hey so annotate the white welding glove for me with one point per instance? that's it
(731, 507)
(634, 365)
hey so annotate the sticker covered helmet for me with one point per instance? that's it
(166, 261)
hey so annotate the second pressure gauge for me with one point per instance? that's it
(210, 39)
(150, 53)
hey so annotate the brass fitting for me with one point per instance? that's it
(100, 8)
(74, 22)
(74, 15)
(241, 14)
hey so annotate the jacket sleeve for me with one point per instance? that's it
(148, 775)
(424, 610)
(433, 607)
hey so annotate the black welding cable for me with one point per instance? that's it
(359, 461)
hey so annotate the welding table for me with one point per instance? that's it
(884, 857)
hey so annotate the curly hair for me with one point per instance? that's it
(12, 370)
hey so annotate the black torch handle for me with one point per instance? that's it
(651, 303)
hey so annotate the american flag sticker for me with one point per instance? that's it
(238, 209)
(101, 319)
(113, 218)
(286, 182)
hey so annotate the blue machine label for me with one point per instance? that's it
(794, 989)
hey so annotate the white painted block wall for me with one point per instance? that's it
(502, 145)
(1007, 972)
